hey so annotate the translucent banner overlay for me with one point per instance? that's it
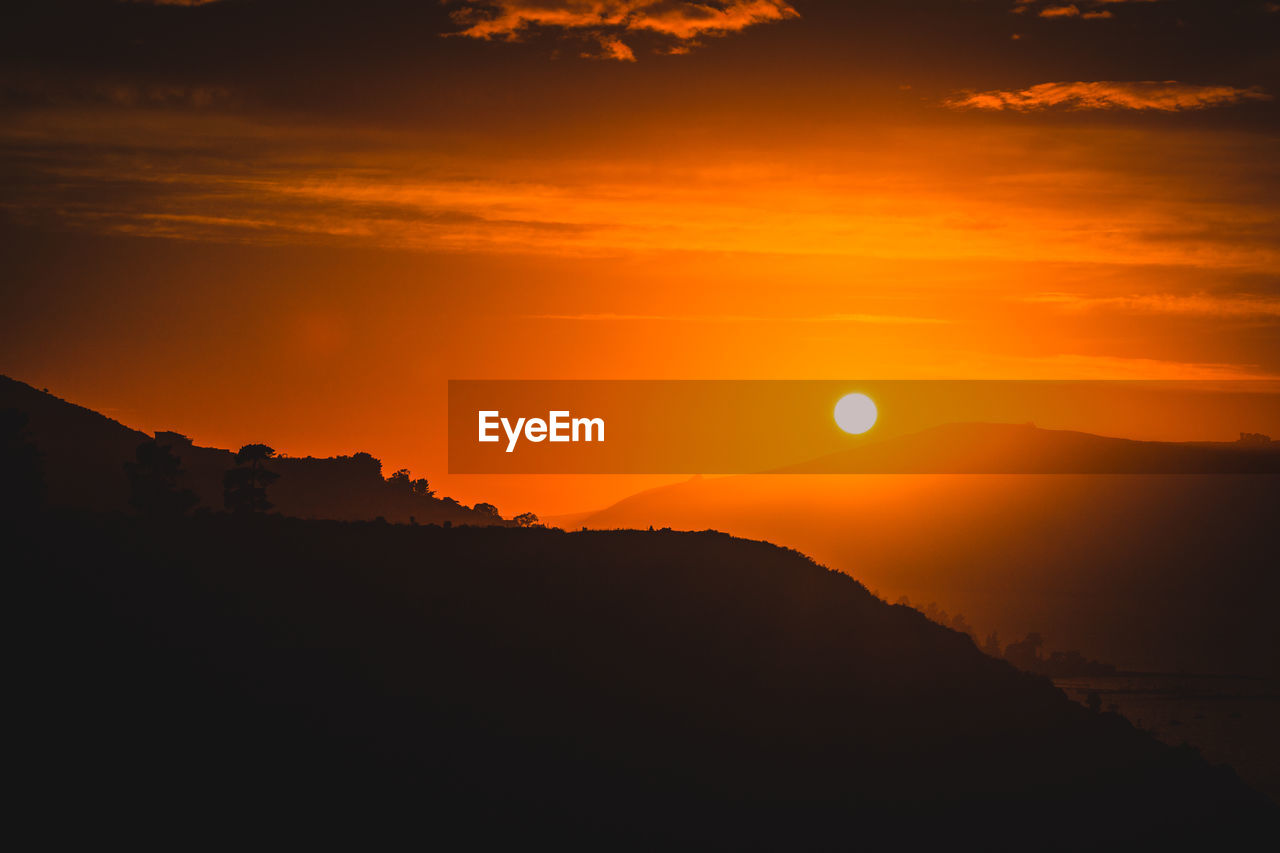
(863, 426)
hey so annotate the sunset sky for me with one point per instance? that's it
(293, 221)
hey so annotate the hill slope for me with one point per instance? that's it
(497, 685)
(1149, 572)
(83, 455)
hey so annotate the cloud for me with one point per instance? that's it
(869, 319)
(22, 90)
(1075, 366)
(605, 21)
(1091, 10)
(1166, 96)
(1070, 10)
(1191, 199)
(1233, 306)
(614, 48)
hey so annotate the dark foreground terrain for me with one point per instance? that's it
(271, 679)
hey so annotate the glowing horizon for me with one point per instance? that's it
(293, 249)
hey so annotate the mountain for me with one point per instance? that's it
(83, 454)
(215, 678)
(1150, 572)
(990, 448)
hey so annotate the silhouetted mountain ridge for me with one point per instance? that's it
(996, 448)
(83, 454)
(1157, 573)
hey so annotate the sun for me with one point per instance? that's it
(855, 413)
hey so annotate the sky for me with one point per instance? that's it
(293, 221)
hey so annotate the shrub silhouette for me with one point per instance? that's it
(244, 488)
(525, 519)
(153, 481)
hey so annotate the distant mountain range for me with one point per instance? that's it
(993, 448)
(83, 454)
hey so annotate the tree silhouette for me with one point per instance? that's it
(244, 488)
(402, 481)
(992, 645)
(487, 509)
(525, 519)
(153, 481)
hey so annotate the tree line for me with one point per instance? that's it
(155, 472)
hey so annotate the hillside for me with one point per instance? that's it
(1149, 572)
(83, 454)
(489, 686)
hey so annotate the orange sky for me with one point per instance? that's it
(303, 246)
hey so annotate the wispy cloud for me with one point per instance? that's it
(1165, 96)
(1093, 366)
(18, 89)
(871, 319)
(1242, 306)
(1074, 366)
(603, 22)
(1092, 8)
(1200, 200)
